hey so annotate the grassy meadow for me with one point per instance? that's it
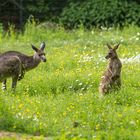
(59, 99)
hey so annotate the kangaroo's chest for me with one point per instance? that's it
(115, 66)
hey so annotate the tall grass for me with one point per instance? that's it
(59, 99)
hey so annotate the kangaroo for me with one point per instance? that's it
(28, 62)
(10, 67)
(111, 79)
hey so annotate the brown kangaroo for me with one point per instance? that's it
(111, 79)
(10, 67)
(28, 62)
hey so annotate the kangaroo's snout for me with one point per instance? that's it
(44, 60)
(107, 57)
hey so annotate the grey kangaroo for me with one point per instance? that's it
(10, 67)
(27, 62)
(111, 79)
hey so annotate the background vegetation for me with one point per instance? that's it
(101, 13)
(60, 98)
(71, 13)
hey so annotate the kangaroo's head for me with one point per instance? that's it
(39, 53)
(112, 52)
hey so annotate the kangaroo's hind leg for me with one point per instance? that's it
(16, 72)
(14, 82)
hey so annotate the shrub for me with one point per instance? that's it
(100, 13)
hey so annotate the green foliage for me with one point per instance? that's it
(101, 13)
(1, 32)
(59, 99)
(44, 9)
(72, 13)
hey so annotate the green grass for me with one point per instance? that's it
(60, 98)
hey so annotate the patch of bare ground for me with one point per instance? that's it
(18, 136)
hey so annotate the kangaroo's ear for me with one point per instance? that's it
(109, 47)
(42, 46)
(34, 48)
(116, 47)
